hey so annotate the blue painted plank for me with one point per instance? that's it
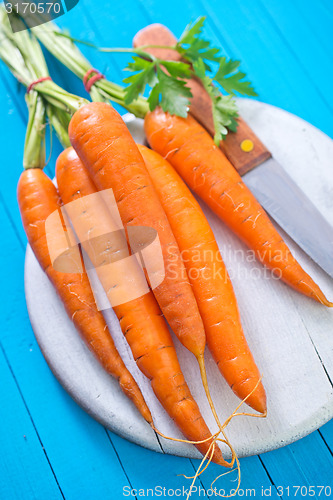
(21, 455)
(307, 50)
(319, 23)
(253, 477)
(307, 462)
(165, 473)
(327, 4)
(159, 12)
(276, 73)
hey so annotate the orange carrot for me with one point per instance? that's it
(38, 199)
(140, 319)
(209, 279)
(108, 151)
(203, 166)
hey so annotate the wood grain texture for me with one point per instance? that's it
(27, 459)
(276, 63)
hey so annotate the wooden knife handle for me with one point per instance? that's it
(243, 148)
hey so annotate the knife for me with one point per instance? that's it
(269, 182)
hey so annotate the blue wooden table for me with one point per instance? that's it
(51, 449)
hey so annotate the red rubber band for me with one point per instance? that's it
(89, 82)
(31, 86)
(85, 78)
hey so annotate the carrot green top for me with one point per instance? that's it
(23, 56)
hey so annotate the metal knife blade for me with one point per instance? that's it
(286, 203)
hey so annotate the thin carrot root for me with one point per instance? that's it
(203, 373)
(215, 438)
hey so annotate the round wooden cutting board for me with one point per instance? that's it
(291, 336)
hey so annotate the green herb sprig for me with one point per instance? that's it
(168, 79)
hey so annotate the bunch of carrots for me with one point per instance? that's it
(150, 187)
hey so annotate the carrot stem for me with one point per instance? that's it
(59, 121)
(23, 56)
(62, 47)
(34, 146)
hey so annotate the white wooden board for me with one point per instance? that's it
(290, 336)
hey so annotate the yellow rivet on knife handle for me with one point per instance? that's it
(247, 145)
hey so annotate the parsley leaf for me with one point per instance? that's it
(144, 75)
(192, 46)
(230, 78)
(177, 69)
(191, 31)
(224, 116)
(171, 94)
(168, 79)
(224, 107)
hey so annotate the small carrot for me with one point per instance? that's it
(108, 151)
(203, 166)
(140, 319)
(209, 279)
(38, 199)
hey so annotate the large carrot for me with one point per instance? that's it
(209, 279)
(38, 199)
(140, 319)
(192, 152)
